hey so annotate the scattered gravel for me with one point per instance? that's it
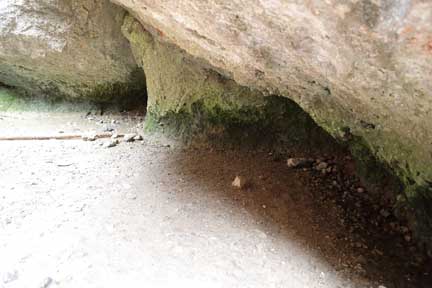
(91, 136)
(110, 143)
(299, 163)
(130, 137)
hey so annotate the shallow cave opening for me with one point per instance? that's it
(5, 86)
(133, 97)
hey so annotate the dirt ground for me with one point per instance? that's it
(154, 213)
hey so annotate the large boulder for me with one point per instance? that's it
(188, 98)
(63, 48)
(362, 69)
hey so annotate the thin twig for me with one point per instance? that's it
(53, 137)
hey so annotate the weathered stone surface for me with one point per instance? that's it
(188, 96)
(61, 48)
(175, 81)
(362, 69)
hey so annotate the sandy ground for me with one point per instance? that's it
(156, 214)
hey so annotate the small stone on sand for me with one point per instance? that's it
(239, 182)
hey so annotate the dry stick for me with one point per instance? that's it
(7, 116)
(54, 137)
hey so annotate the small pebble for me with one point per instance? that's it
(404, 229)
(89, 136)
(46, 282)
(131, 196)
(111, 143)
(108, 129)
(299, 163)
(239, 182)
(322, 275)
(321, 166)
(384, 213)
(129, 137)
(138, 138)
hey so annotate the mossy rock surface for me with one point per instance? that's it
(278, 125)
(192, 99)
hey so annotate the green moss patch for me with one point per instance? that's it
(279, 124)
(12, 100)
(9, 100)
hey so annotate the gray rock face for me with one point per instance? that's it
(64, 48)
(364, 64)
